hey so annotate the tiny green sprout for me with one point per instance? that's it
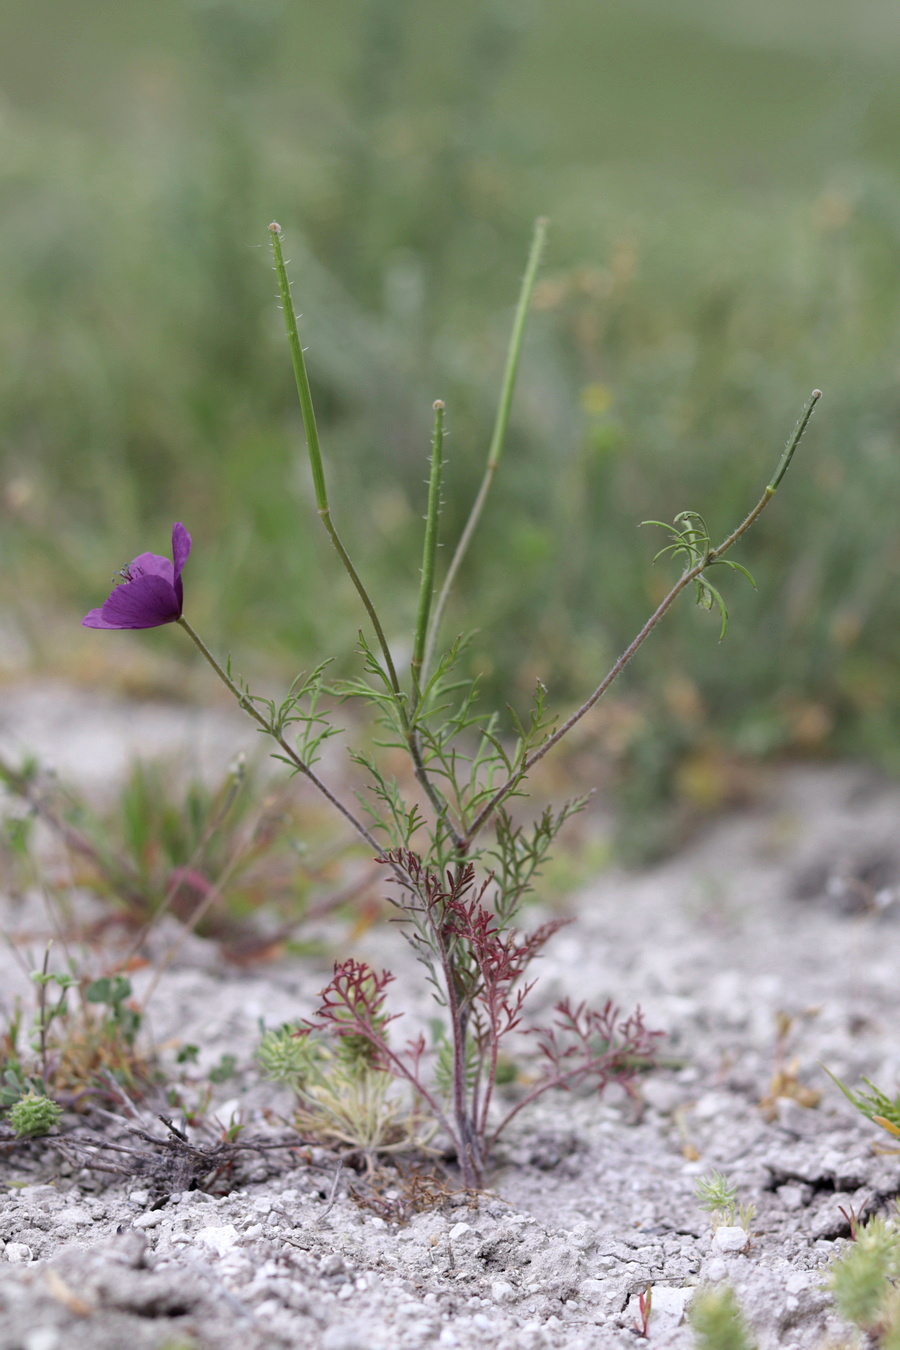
(717, 1321)
(34, 1114)
(719, 1198)
(693, 542)
(863, 1279)
(225, 1069)
(286, 1054)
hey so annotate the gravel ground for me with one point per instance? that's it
(765, 948)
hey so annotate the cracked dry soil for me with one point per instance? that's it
(781, 919)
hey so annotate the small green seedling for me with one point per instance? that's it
(719, 1198)
(864, 1282)
(717, 1321)
(344, 1096)
(34, 1114)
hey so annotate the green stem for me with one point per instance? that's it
(249, 707)
(315, 456)
(683, 581)
(318, 473)
(429, 548)
(499, 434)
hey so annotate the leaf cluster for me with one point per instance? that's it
(692, 543)
(875, 1105)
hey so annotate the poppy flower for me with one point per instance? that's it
(150, 593)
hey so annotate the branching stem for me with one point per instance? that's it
(310, 426)
(249, 707)
(615, 671)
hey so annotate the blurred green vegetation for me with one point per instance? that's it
(723, 185)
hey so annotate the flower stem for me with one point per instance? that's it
(315, 453)
(429, 549)
(245, 701)
(499, 434)
(683, 581)
(318, 472)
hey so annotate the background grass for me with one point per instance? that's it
(723, 186)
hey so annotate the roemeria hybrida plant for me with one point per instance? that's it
(458, 862)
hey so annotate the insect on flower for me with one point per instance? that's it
(150, 593)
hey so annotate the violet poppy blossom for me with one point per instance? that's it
(150, 593)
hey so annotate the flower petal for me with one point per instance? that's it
(152, 565)
(146, 602)
(181, 547)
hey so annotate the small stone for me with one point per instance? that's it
(715, 1269)
(18, 1253)
(730, 1239)
(150, 1220)
(218, 1240)
(458, 1229)
(139, 1197)
(584, 1236)
(793, 1197)
(662, 1095)
(592, 1288)
(346, 1338)
(502, 1291)
(75, 1216)
(668, 1307)
(481, 1322)
(42, 1338)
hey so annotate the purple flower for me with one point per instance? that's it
(150, 594)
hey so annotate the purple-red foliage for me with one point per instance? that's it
(480, 967)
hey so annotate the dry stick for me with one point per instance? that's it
(684, 580)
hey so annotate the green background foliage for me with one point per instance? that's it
(723, 186)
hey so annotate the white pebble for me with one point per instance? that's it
(151, 1220)
(219, 1240)
(728, 1239)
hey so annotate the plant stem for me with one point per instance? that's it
(315, 454)
(429, 550)
(499, 434)
(318, 472)
(246, 702)
(684, 580)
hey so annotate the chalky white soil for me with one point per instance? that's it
(789, 908)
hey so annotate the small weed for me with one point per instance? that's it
(83, 1032)
(33, 1114)
(864, 1281)
(717, 1321)
(875, 1105)
(719, 1199)
(645, 1307)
